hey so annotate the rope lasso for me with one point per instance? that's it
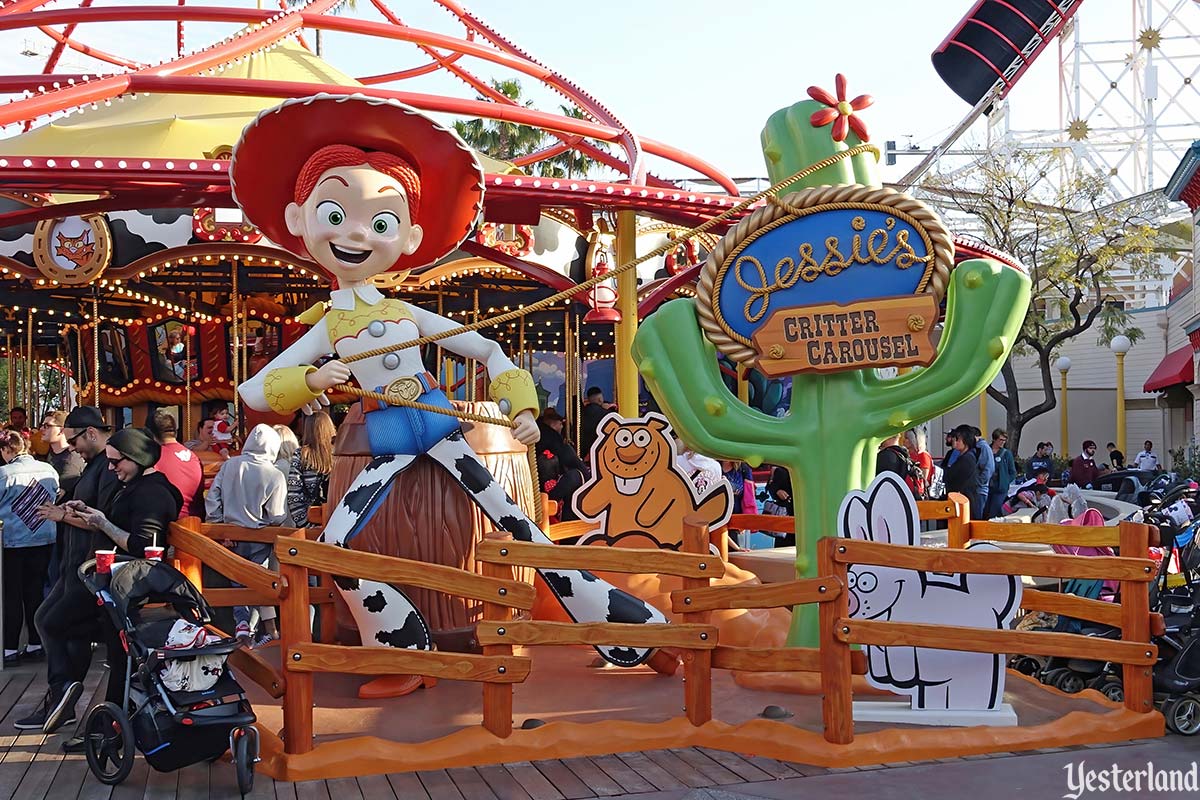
(530, 451)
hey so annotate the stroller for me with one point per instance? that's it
(173, 729)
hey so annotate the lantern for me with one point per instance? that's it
(602, 298)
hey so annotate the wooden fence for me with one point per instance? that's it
(497, 669)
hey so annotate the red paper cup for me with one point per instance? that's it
(155, 553)
(104, 561)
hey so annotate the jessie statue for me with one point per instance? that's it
(364, 186)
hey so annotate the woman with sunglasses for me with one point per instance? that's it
(144, 506)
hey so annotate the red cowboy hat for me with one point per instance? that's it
(273, 148)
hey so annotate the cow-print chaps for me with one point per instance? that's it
(385, 616)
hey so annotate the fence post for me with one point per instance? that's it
(697, 664)
(187, 563)
(1135, 619)
(836, 689)
(294, 629)
(958, 527)
(497, 697)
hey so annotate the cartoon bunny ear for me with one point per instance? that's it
(854, 517)
(892, 511)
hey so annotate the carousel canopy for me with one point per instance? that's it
(179, 125)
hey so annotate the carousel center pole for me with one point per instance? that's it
(187, 384)
(95, 350)
(236, 338)
(575, 410)
(626, 328)
(30, 367)
(12, 374)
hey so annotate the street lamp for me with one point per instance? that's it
(1064, 366)
(1120, 346)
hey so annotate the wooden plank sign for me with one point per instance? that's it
(886, 332)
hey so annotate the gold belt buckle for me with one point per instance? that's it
(407, 389)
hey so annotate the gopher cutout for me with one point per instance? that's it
(638, 492)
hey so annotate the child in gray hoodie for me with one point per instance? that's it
(250, 492)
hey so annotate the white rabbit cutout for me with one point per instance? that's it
(934, 679)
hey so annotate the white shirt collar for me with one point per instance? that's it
(343, 299)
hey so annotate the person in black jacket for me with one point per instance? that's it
(67, 617)
(560, 469)
(138, 517)
(779, 490)
(594, 410)
(963, 475)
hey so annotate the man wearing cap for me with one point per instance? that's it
(67, 617)
(1084, 471)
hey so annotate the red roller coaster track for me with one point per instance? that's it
(132, 183)
(127, 183)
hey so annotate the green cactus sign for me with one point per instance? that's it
(839, 412)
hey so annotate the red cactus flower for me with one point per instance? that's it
(839, 111)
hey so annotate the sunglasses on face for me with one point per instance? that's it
(112, 462)
(71, 439)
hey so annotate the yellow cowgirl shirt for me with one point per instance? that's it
(361, 318)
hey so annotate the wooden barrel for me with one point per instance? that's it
(427, 516)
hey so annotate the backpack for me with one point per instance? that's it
(910, 471)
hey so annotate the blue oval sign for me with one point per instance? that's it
(828, 256)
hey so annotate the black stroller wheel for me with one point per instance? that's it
(109, 744)
(1183, 715)
(244, 756)
(1113, 689)
(1027, 665)
(1070, 682)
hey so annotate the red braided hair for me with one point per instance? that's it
(343, 155)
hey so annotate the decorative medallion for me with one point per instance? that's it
(684, 255)
(828, 279)
(74, 250)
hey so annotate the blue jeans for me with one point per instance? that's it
(256, 552)
(403, 431)
(979, 507)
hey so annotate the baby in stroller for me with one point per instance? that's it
(182, 704)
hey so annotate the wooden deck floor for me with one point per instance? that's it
(33, 766)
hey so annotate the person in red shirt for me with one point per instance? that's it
(178, 464)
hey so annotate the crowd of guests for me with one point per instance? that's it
(95, 488)
(75, 485)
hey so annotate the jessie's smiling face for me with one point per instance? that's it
(356, 223)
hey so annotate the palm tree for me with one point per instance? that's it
(498, 138)
(571, 163)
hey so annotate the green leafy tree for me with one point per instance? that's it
(572, 163)
(501, 139)
(1076, 246)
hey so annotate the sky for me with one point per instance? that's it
(697, 74)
